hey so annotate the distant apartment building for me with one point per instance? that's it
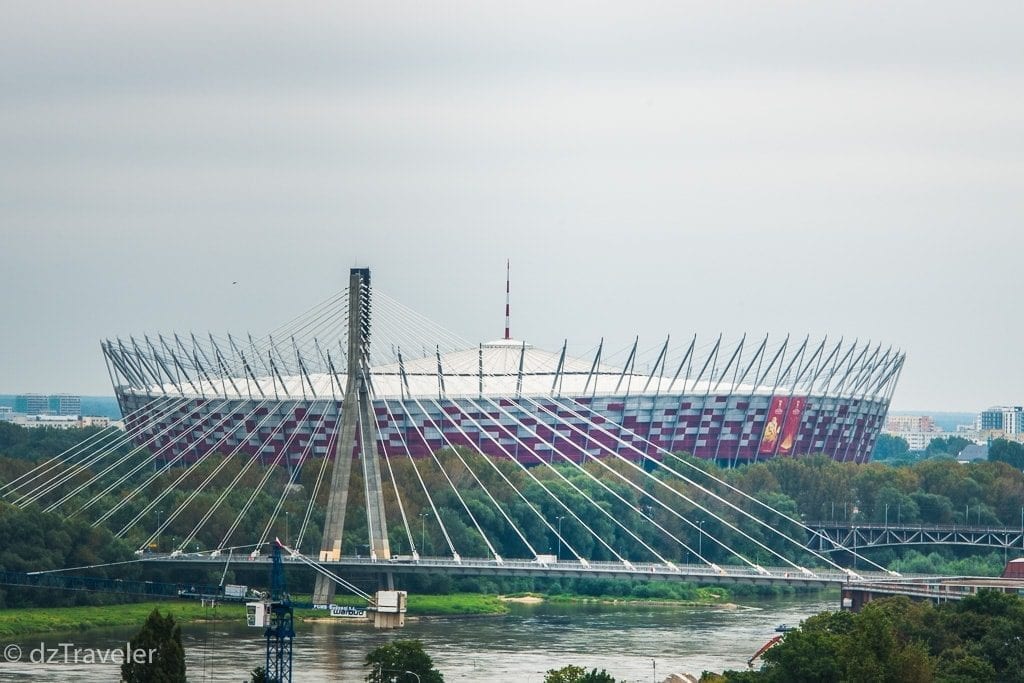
(61, 421)
(897, 424)
(31, 404)
(43, 404)
(918, 441)
(6, 414)
(917, 430)
(1008, 420)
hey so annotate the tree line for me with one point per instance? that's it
(976, 640)
(518, 510)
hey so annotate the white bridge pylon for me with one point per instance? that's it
(501, 451)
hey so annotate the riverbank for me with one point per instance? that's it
(33, 620)
(518, 646)
(29, 621)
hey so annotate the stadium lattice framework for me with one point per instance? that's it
(280, 395)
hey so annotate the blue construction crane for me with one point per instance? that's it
(277, 615)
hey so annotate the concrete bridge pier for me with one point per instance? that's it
(853, 599)
(358, 429)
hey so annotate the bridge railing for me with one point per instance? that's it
(881, 526)
(783, 574)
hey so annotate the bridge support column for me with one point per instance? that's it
(853, 599)
(358, 428)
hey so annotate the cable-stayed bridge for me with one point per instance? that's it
(506, 454)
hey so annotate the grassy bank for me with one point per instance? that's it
(451, 604)
(28, 621)
(701, 596)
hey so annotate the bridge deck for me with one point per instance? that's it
(564, 569)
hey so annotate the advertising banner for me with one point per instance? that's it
(773, 425)
(791, 428)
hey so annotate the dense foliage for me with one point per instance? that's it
(31, 540)
(19, 442)
(577, 674)
(401, 661)
(1009, 452)
(976, 640)
(895, 449)
(890, 447)
(231, 500)
(160, 637)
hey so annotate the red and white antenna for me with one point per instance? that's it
(507, 273)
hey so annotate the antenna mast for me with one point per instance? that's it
(507, 271)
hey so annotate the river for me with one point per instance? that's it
(633, 642)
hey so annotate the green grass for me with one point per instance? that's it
(456, 603)
(21, 622)
(426, 605)
(701, 596)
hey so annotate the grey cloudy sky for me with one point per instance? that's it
(845, 168)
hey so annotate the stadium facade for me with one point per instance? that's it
(281, 399)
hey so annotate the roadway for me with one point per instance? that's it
(700, 574)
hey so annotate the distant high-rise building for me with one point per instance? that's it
(41, 404)
(1006, 419)
(65, 404)
(32, 404)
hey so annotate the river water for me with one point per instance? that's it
(633, 642)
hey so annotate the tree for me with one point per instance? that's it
(948, 447)
(577, 674)
(401, 661)
(1010, 452)
(974, 640)
(163, 660)
(889, 447)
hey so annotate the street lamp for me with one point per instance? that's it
(423, 531)
(700, 539)
(886, 515)
(559, 555)
(287, 536)
(161, 512)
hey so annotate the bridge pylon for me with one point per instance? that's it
(358, 429)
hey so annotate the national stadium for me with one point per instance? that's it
(280, 396)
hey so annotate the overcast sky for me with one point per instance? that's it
(855, 169)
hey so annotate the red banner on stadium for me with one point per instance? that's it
(782, 425)
(791, 429)
(773, 425)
